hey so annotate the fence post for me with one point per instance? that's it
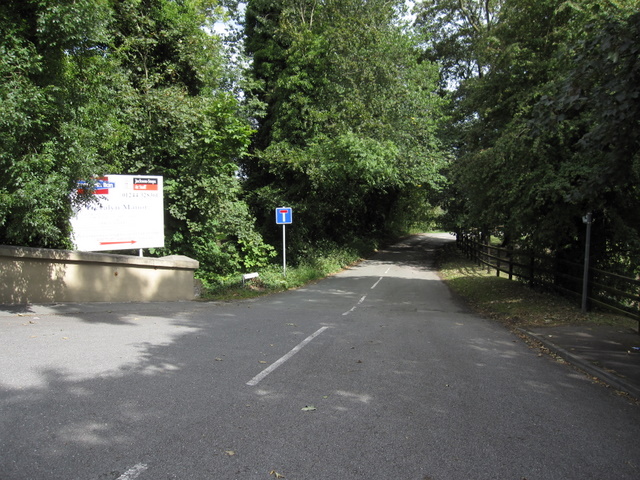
(510, 259)
(476, 251)
(497, 262)
(488, 258)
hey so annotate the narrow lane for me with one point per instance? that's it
(389, 378)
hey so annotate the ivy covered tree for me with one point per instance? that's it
(594, 109)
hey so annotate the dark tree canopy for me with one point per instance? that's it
(547, 130)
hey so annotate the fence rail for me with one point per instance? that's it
(606, 290)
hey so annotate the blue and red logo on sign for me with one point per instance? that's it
(101, 186)
(284, 215)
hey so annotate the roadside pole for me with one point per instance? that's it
(284, 217)
(284, 250)
(588, 219)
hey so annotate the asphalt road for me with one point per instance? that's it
(374, 373)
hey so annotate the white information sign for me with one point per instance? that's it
(128, 214)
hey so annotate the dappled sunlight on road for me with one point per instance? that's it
(356, 397)
(77, 350)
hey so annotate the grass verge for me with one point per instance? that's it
(318, 264)
(512, 302)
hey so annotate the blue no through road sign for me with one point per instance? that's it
(284, 215)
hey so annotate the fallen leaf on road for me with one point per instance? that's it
(309, 408)
(276, 474)
(230, 453)
(261, 361)
(218, 359)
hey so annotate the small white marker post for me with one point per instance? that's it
(284, 217)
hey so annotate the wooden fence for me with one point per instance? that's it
(606, 290)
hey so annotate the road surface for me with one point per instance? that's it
(374, 373)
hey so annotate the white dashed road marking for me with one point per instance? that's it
(355, 306)
(133, 472)
(255, 380)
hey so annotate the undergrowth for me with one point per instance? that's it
(315, 263)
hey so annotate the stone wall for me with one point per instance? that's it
(35, 275)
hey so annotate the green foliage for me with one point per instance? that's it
(314, 263)
(458, 35)
(349, 131)
(45, 147)
(122, 86)
(594, 109)
(184, 126)
(548, 130)
(343, 118)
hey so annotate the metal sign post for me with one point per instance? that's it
(284, 217)
(284, 250)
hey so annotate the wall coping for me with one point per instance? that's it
(69, 256)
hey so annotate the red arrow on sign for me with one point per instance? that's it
(117, 243)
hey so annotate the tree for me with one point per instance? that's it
(349, 131)
(91, 87)
(184, 125)
(458, 35)
(547, 133)
(595, 109)
(46, 49)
